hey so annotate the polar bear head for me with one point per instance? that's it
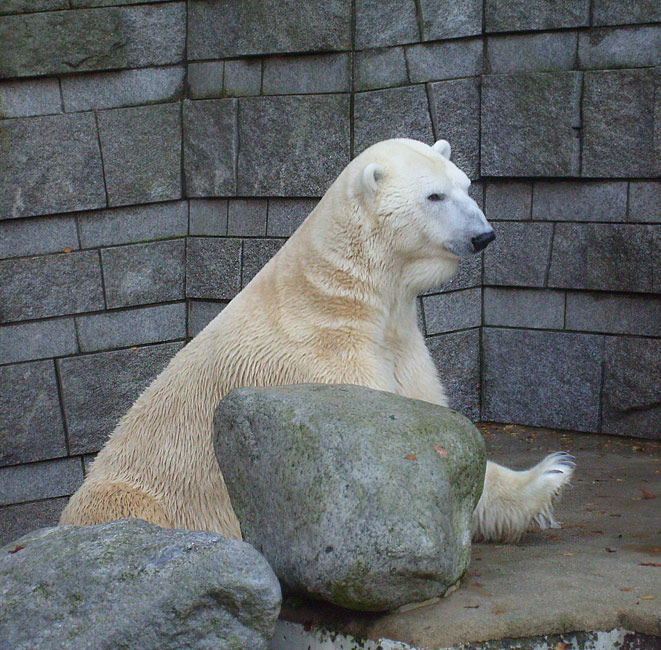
(420, 200)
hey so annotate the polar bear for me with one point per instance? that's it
(336, 304)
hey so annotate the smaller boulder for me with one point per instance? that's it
(355, 496)
(132, 585)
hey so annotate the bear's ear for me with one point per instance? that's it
(443, 147)
(371, 176)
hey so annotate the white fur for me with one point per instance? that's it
(337, 304)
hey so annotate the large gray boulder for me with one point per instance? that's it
(355, 496)
(135, 586)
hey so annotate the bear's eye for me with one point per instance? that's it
(436, 197)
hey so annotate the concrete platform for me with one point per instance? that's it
(600, 572)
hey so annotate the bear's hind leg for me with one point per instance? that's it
(512, 500)
(103, 501)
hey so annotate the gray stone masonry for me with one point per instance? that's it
(31, 97)
(457, 358)
(396, 112)
(132, 224)
(37, 432)
(525, 368)
(606, 257)
(516, 15)
(97, 389)
(50, 285)
(210, 147)
(382, 68)
(573, 201)
(529, 308)
(444, 60)
(621, 102)
(117, 37)
(124, 88)
(141, 153)
(295, 75)
(64, 173)
(631, 387)
(213, 268)
(144, 273)
(52, 478)
(22, 517)
(155, 154)
(455, 115)
(529, 124)
(220, 30)
(377, 28)
(270, 127)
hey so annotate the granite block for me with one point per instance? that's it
(457, 357)
(614, 313)
(37, 340)
(35, 235)
(124, 88)
(509, 200)
(632, 385)
(30, 416)
(118, 329)
(51, 478)
(393, 113)
(97, 389)
(50, 164)
(619, 124)
(283, 150)
(529, 124)
(133, 224)
(213, 268)
(286, 215)
(247, 217)
(141, 153)
(319, 73)
(256, 253)
(139, 274)
(580, 201)
(606, 257)
(29, 97)
(451, 311)
(455, 112)
(545, 379)
(444, 60)
(56, 42)
(208, 217)
(529, 308)
(519, 257)
(210, 147)
(217, 29)
(50, 285)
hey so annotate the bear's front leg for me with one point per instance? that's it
(511, 500)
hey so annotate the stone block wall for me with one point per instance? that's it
(154, 154)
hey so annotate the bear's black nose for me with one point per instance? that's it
(482, 241)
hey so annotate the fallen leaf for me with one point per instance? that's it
(440, 451)
(410, 456)
(67, 249)
(134, 348)
(626, 588)
(561, 645)
(17, 549)
(568, 554)
(647, 597)
(611, 550)
(471, 606)
(497, 612)
(650, 563)
(647, 495)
